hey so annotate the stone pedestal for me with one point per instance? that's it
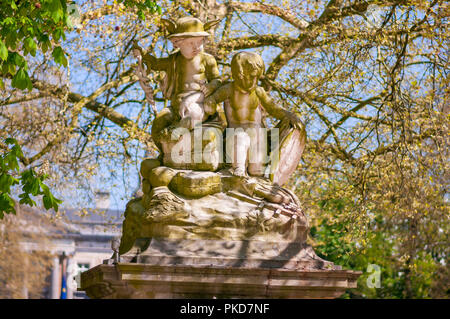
(213, 235)
(218, 269)
(130, 280)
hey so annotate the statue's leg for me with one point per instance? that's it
(238, 144)
(257, 151)
(162, 120)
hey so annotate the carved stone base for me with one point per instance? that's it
(225, 253)
(211, 234)
(183, 268)
(143, 281)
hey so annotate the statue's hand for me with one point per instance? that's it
(209, 106)
(207, 89)
(294, 120)
(136, 53)
(137, 50)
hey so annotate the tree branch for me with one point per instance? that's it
(330, 13)
(107, 112)
(271, 10)
(250, 42)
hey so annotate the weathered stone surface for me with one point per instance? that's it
(225, 253)
(164, 206)
(199, 149)
(131, 280)
(196, 184)
(146, 186)
(209, 205)
(161, 176)
(284, 160)
(218, 216)
(147, 165)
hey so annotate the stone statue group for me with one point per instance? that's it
(202, 228)
(188, 191)
(192, 84)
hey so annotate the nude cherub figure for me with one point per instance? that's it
(190, 74)
(244, 101)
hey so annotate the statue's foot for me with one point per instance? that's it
(239, 171)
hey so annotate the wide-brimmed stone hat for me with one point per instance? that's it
(188, 27)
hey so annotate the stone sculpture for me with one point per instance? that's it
(178, 193)
(211, 202)
(190, 74)
(244, 104)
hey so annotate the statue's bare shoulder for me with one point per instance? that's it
(209, 59)
(265, 99)
(262, 94)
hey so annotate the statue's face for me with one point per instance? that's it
(248, 80)
(189, 47)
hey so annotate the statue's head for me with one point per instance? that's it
(189, 46)
(188, 34)
(246, 69)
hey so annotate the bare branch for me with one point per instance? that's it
(271, 10)
(250, 42)
(107, 112)
(25, 98)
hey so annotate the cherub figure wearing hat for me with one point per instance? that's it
(190, 74)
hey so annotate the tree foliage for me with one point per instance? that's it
(25, 28)
(368, 78)
(32, 183)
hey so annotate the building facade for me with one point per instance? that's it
(84, 243)
(76, 241)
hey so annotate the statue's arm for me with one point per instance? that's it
(156, 64)
(220, 95)
(151, 62)
(212, 74)
(276, 111)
